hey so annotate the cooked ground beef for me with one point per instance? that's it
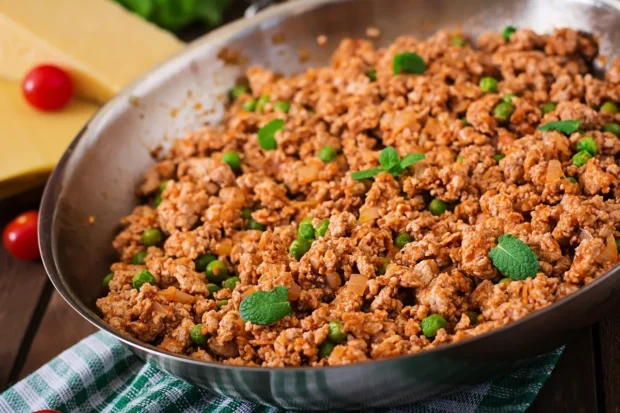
(495, 174)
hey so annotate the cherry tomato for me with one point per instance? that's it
(47, 87)
(20, 236)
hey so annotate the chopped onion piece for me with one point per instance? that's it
(224, 247)
(333, 280)
(357, 284)
(308, 173)
(610, 253)
(176, 295)
(554, 171)
(160, 309)
(368, 214)
(403, 120)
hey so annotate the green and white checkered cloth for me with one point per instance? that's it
(101, 375)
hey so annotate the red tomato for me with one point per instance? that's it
(20, 236)
(47, 87)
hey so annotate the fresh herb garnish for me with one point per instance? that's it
(266, 134)
(564, 126)
(514, 258)
(390, 162)
(408, 62)
(265, 307)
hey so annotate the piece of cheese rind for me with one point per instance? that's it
(101, 45)
(32, 141)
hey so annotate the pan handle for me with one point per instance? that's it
(256, 6)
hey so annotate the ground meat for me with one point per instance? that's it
(489, 177)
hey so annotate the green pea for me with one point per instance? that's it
(498, 157)
(618, 244)
(383, 267)
(372, 75)
(488, 84)
(587, 144)
(216, 271)
(321, 229)
(231, 282)
(460, 158)
(204, 260)
(237, 91)
(473, 317)
(507, 32)
(255, 225)
(402, 240)
(547, 107)
(299, 247)
(246, 213)
(157, 201)
(143, 277)
(107, 279)
(458, 40)
(213, 288)
(437, 207)
(282, 106)
(250, 105)
(335, 333)
(503, 111)
(504, 280)
(138, 259)
(326, 348)
(196, 335)
(152, 236)
(465, 121)
(221, 304)
(306, 230)
(262, 101)
(327, 154)
(581, 158)
(508, 98)
(431, 324)
(609, 107)
(612, 127)
(232, 159)
(572, 179)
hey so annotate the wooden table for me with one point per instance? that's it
(37, 324)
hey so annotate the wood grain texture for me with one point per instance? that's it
(572, 385)
(60, 328)
(21, 287)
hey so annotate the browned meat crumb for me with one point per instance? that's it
(445, 269)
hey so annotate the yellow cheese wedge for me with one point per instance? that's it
(101, 44)
(31, 142)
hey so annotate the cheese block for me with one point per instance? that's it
(102, 45)
(31, 141)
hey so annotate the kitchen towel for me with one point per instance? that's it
(100, 375)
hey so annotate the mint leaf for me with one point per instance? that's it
(368, 173)
(265, 307)
(388, 157)
(411, 159)
(564, 126)
(514, 258)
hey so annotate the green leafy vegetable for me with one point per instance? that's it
(514, 258)
(176, 14)
(266, 134)
(390, 162)
(564, 126)
(265, 307)
(408, 62)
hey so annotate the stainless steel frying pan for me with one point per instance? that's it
(99, 172)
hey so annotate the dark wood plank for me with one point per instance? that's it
(572, 385)
(60, 328)
(21, 288)
(609, 339)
